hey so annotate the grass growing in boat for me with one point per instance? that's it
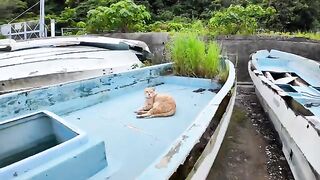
(193, 57)
(212, 61)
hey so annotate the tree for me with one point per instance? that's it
(123, 16)
(296, 15)
(9, 8)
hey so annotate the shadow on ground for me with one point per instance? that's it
(251, 149)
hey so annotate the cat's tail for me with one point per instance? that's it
(165, 114)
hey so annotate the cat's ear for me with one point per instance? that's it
(153, 88)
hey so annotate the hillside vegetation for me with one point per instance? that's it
(203, 16)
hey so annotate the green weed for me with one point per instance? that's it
(193, 57)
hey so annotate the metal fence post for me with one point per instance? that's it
(25, 30)
(53, 29)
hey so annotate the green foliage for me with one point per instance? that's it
(212, 60)
(2, 37)
(232, 16)
(240, 20)
(296, 15)
(307, 35)
(170, 26)
(198, 27)
(187, 50)
(8, 9)
(123, 16)
(179, 25)
(193, 57)
(68, 15)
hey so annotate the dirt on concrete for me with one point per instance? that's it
(251, 149)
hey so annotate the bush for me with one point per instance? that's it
(240, 20)
(179, 26)
(160, 26)
(192, 57)
(123, 16)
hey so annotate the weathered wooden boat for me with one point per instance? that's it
(288, 88)
(88, 129)
(42, 62)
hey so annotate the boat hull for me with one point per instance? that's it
(45, 62)
(204, 163)
(103, 107)
(286, 122)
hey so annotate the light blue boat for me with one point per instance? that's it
(288, 87)
(88, 129)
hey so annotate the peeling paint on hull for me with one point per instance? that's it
(104, 106)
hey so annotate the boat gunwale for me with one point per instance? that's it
(71, 41)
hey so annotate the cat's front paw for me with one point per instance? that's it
(141, 112)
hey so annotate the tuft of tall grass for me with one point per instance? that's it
(212, 62)
(193, 57)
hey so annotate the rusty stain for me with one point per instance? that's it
(166, 159)
(174, 150)
(193, 125)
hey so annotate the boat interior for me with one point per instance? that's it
(103, 108)
(300, 84)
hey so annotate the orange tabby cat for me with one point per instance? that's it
(156, 105)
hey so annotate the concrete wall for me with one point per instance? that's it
(238, 48)
(155, 41)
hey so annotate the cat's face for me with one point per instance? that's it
(149, 92)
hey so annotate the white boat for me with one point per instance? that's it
(42, 62)
(288, 87)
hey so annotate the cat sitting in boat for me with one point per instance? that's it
(156, 105)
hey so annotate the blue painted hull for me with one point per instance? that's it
(104, 108)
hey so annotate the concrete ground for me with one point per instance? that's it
(251, 148)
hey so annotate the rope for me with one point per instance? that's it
(24, 12)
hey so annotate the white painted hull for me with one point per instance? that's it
(44, 64)
(300, 141)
